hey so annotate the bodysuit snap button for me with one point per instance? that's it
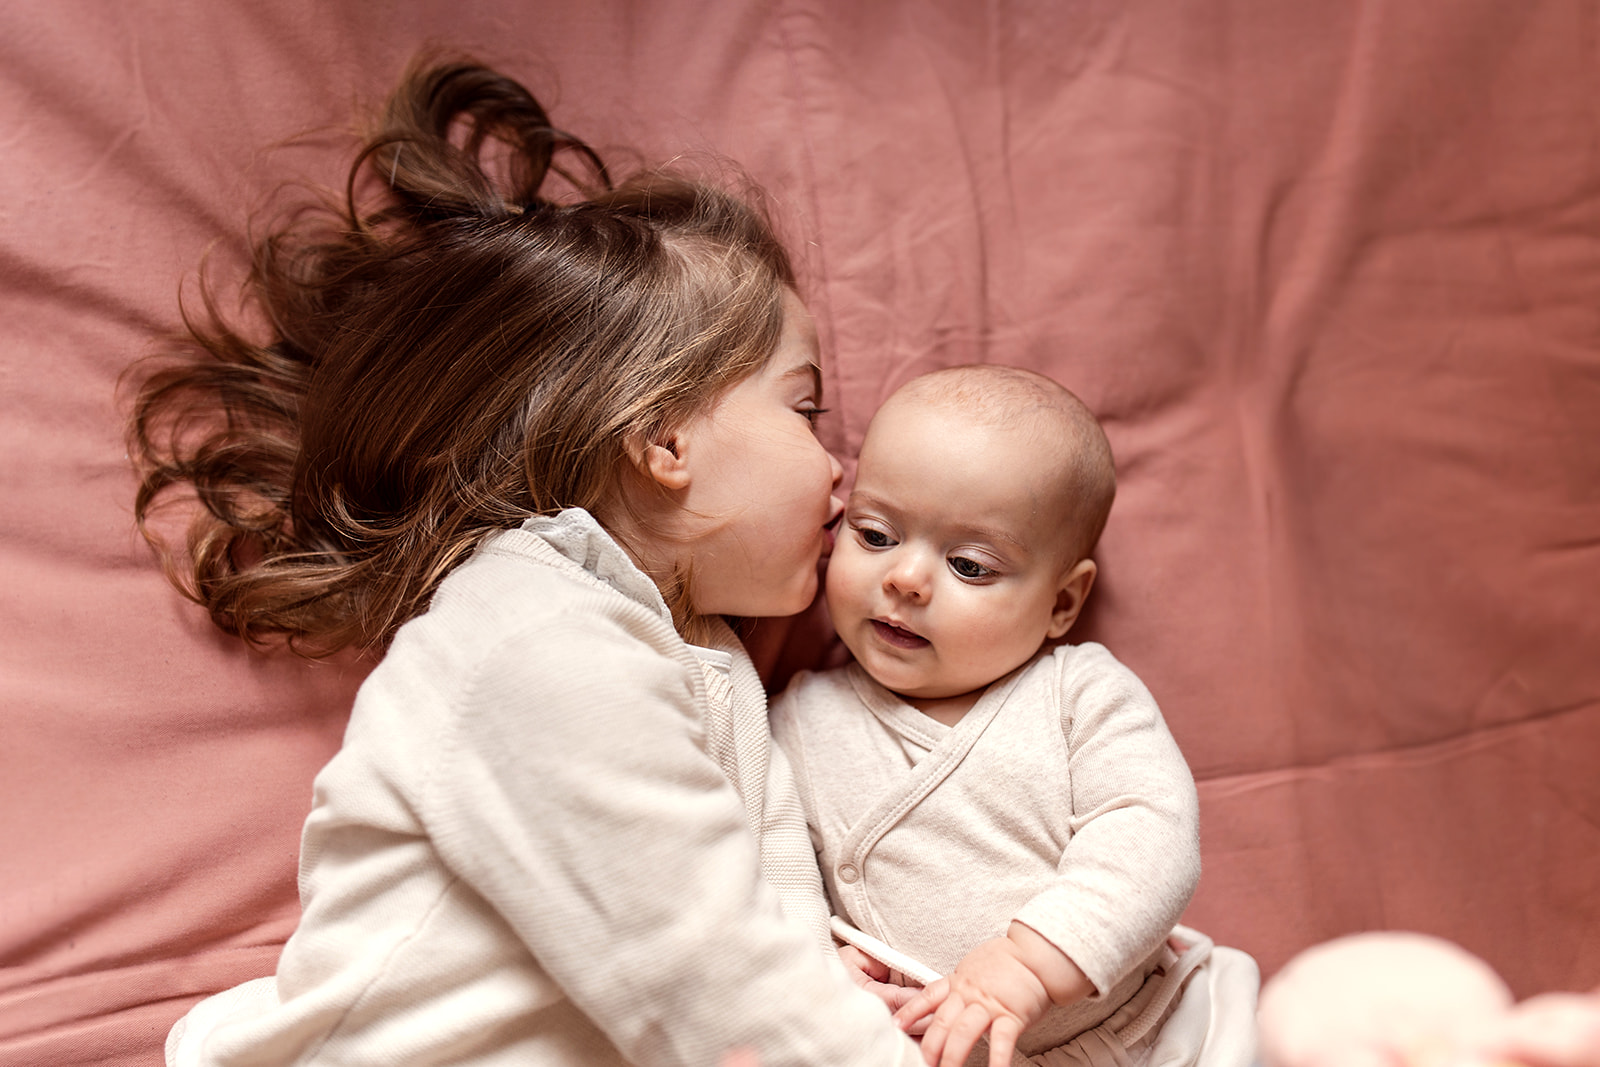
(848, 872)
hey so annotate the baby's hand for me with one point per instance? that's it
(1002, 987)
(875, 977)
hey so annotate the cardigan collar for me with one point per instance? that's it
(576, 535)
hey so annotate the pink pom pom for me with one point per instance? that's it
(1379, 999)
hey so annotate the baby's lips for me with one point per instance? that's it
(896, 634)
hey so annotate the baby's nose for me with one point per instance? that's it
(908, 577)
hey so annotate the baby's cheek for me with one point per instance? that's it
(845, 576)
(833, 583)
(995, 627)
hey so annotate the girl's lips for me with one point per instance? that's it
(828, 529)
(896, 636)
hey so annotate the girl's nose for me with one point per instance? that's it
(837, 468)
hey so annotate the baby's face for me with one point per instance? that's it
(947, 569)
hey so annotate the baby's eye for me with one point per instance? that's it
(969, 568)
(874, 538)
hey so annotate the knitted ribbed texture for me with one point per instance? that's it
(738, 739)
(535, 848)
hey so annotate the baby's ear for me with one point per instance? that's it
(1071, 594)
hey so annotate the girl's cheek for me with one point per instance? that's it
(825, 473)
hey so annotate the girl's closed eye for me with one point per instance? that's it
(812, 413)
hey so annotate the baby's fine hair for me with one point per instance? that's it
(461, 355)
(1062, 423)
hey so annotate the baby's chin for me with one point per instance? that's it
(912, 685)
(928, 692)
(896, 682)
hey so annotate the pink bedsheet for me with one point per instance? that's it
(1329, 271)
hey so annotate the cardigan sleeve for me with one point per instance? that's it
(1133, 860)
(784, 715)
(571, 791)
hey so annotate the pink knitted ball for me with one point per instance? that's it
(1377, 999)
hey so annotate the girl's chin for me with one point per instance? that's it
(804, 594)
(778, 606)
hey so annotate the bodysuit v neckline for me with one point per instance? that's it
(946, 746)
(922, 730)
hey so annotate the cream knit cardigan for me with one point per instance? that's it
(543, 843)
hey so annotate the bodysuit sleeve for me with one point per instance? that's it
(571, 792)
(1133, 859)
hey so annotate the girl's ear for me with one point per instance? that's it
(664, 462)
(1070, 596)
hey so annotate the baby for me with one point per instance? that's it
(1009, 811)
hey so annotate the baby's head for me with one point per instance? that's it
(979, 495)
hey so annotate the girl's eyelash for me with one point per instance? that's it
(812, 413)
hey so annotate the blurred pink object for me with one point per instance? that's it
(1410, 1000)
(1549, 1030)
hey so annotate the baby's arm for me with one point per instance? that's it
(1001, 988)
(1133, 858)
(1123, 880)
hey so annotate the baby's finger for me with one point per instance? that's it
(896, 996)
(1002, 1040)
(964, 1033)
(932, 1040)
(938, 1030)
(926, 1000)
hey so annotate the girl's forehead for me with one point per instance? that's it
(797, 351)
(794, 362)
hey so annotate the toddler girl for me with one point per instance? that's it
(535, 449)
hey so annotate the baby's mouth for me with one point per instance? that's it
(897, 636)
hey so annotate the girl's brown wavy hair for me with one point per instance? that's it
(465, 354)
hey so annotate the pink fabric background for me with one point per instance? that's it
(1329, 271)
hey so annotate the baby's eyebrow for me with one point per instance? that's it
(996, 534)
(861, 496)
(975, 531)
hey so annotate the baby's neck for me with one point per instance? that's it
(946, 710)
